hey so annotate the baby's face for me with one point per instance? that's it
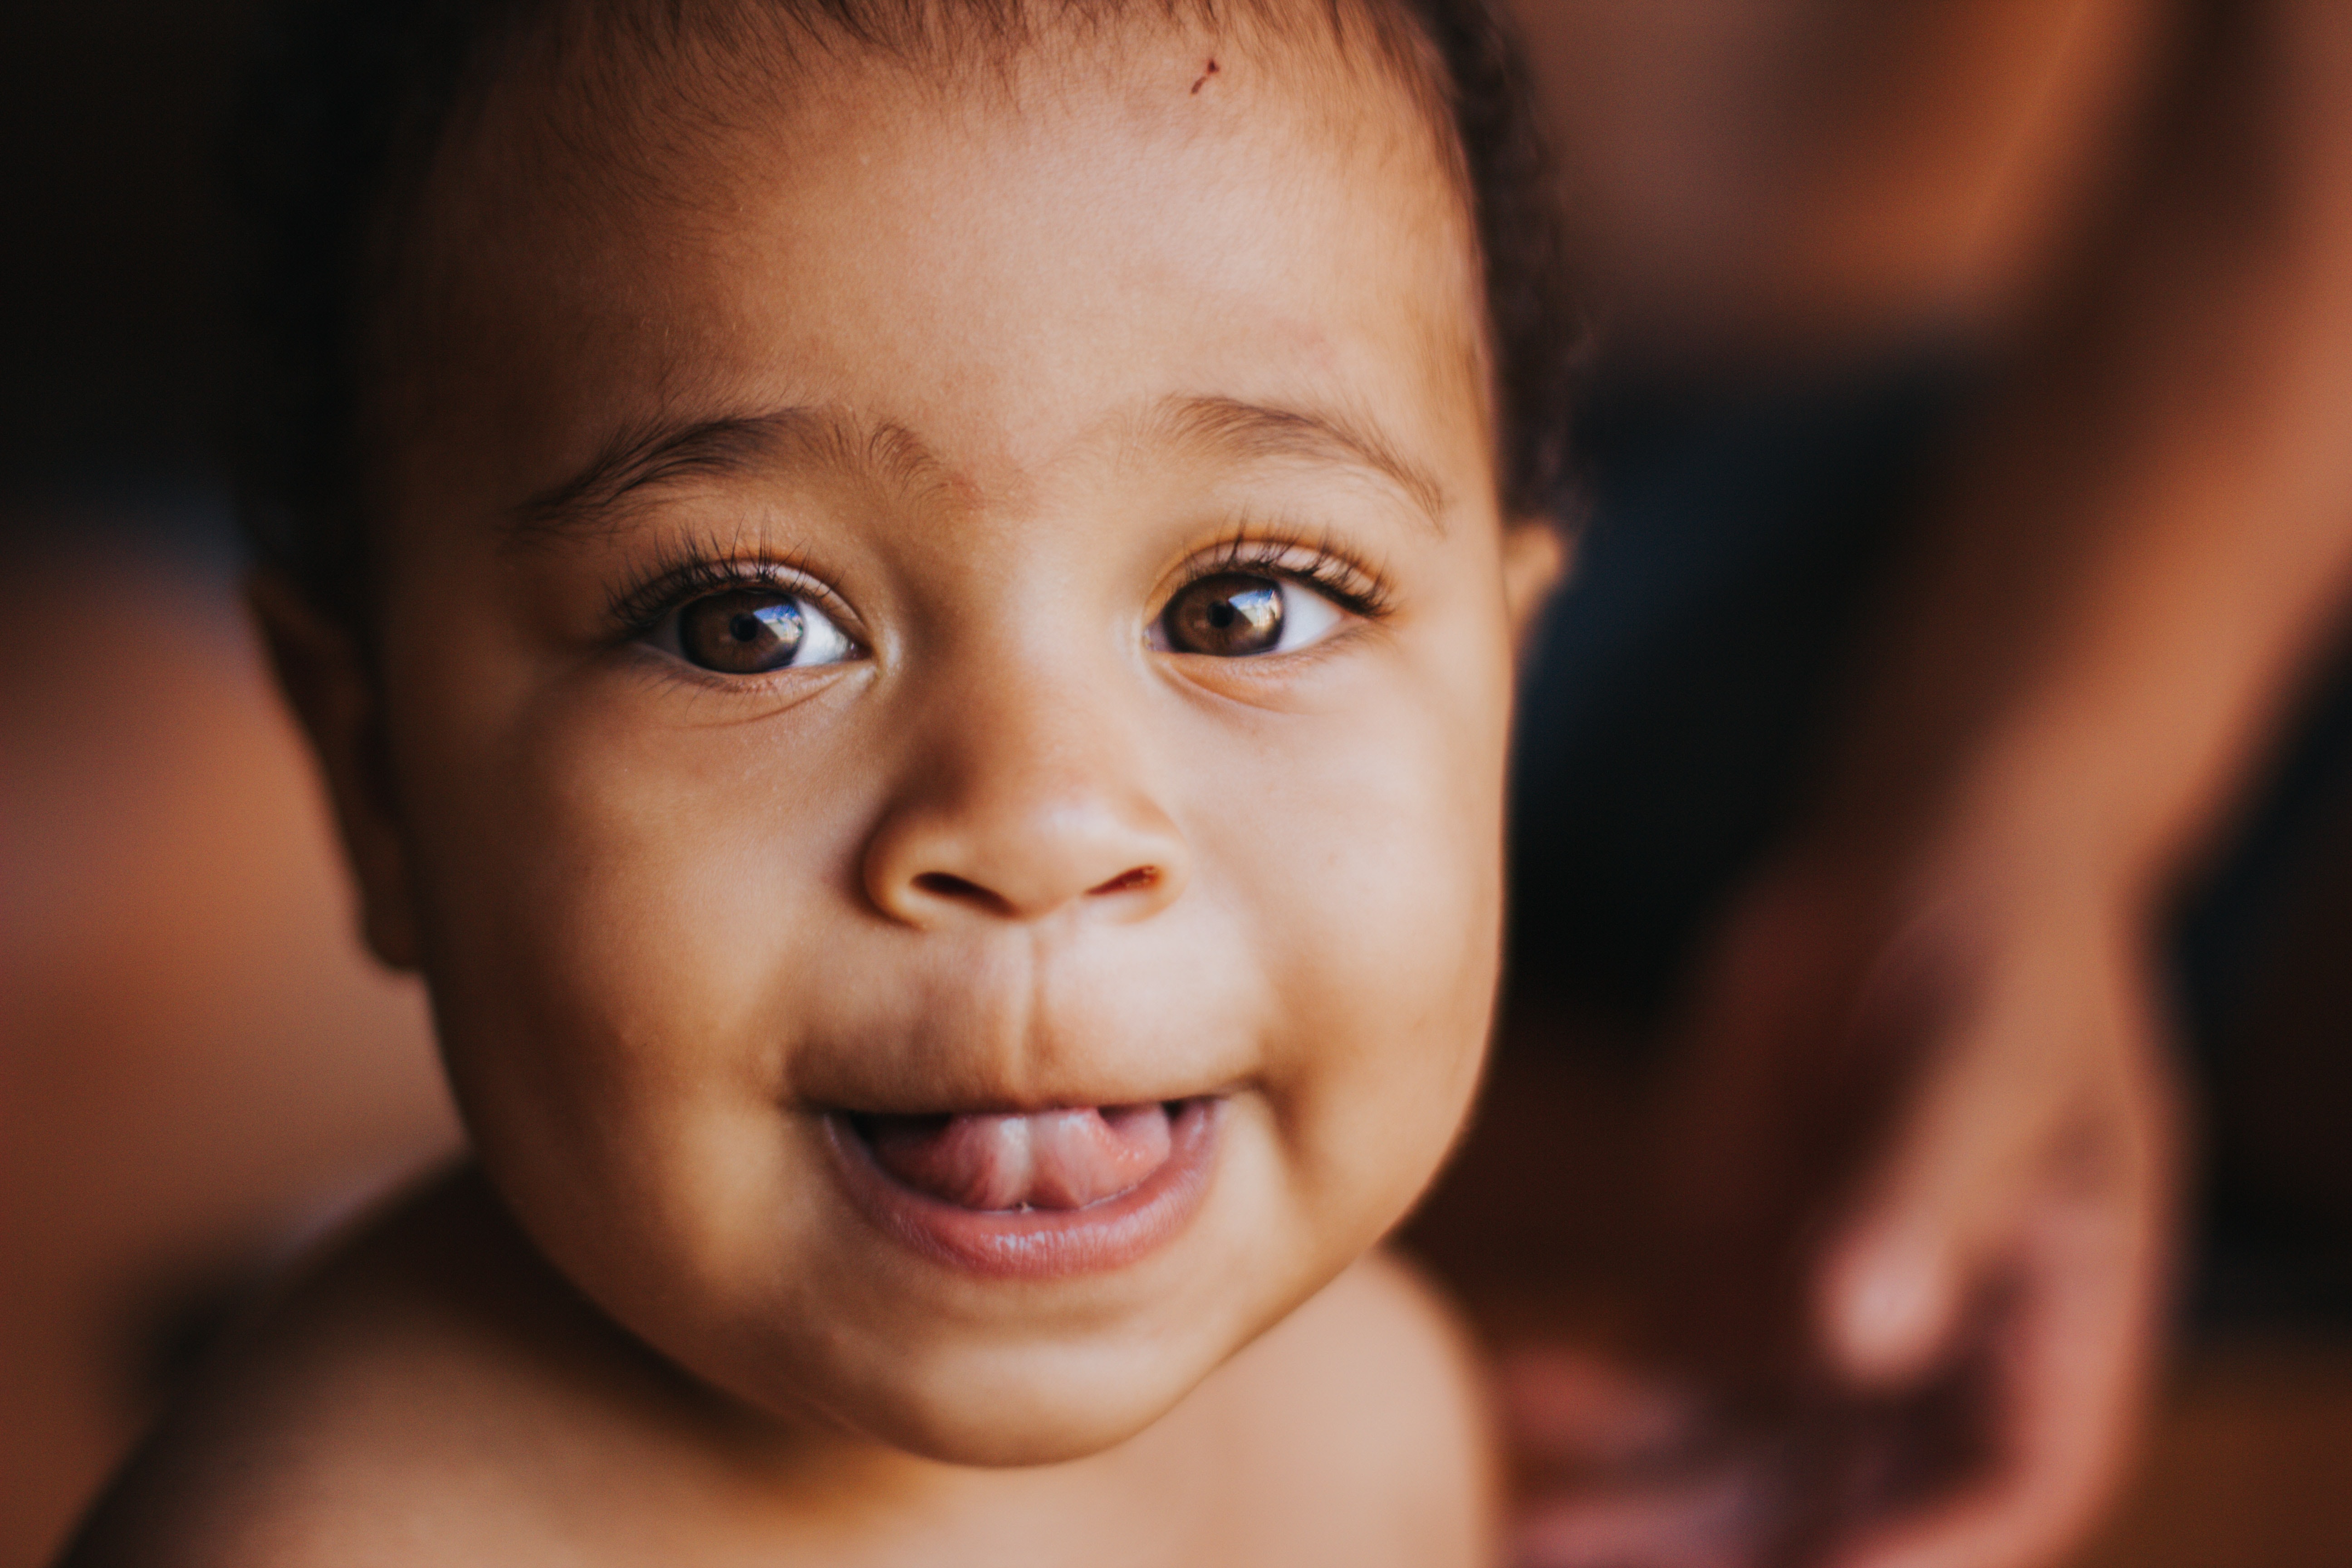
(945, 669)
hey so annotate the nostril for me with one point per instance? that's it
(940, 884)
(937, 888)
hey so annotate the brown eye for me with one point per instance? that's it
(756, 630)
(1234, 614)
(1228, 615)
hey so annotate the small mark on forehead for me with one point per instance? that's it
(1208, 71)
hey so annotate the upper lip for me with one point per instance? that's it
(1006, 1104)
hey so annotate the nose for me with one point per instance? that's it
(1020, 804)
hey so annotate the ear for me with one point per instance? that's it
(1537, 552)
(325, 675)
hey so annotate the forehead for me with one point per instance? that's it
(1002, 258)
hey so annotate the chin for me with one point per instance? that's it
(1010, 1411)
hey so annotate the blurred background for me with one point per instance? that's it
(198, 1068)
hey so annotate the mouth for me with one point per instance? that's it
(1049, 1194)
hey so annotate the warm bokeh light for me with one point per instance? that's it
(200, 1071)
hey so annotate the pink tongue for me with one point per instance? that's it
(1055, 1160)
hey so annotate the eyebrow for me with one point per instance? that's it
(660, 452)
(1258, 431)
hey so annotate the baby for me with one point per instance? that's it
(909, 609)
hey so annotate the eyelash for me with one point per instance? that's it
(1321, 565)
(683, 575)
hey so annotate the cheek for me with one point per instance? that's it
(1367, 872)
(609, 908)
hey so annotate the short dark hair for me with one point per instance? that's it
(349, 99)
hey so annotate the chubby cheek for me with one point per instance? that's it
(608, 909)
(1367, 868)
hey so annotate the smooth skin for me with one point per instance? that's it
(983, 375)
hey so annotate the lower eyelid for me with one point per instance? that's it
(785, 686)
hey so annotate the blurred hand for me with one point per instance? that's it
(1921, 1175)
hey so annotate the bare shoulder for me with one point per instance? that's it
(422, 1393)
(1358, 1430)
(430, 1392)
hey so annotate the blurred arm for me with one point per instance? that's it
(2152, 536)
(1932, 1020)
(1786, 184)
(2143, 549)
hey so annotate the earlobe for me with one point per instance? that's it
(324, 675)
(1537, 552)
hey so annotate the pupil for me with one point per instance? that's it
(1221, 615)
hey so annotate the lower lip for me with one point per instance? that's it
(1041, 1244)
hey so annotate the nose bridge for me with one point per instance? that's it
(1027, 789)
